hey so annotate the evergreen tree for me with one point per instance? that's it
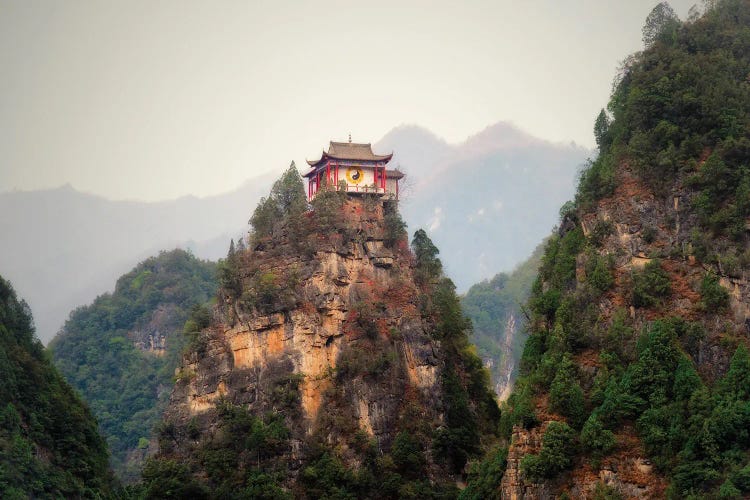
(286, 201)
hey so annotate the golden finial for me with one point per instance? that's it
(350, 137)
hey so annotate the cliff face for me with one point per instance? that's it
(329, 331)
(634, 379)
(349, 296)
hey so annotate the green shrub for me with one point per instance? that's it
(395, 227)
(596, 439)
(650, 285)
(598, 272)
(558, 448)
(714, 297)
(408, 454)
(648, 234)
(566, 395)
(600, 231)
(485, 477)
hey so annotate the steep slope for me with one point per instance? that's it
(487, 202)
(495, 309)
(63, 247)
(336, 364)
(634, 380)
(49, 445)
(121, 351)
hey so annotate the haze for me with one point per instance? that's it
(156, 100)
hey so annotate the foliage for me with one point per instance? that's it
(270, 292)
(395, 227)
(485, 477)
(599, 273)
(600, 231)
(566, 396)
(327, 207)
(96, 351)
(286, 200)
(650, 285)
(661, 23)
(49, 444)
(601, 131)
(429, 267)
(714, 297)
(243, 459)
(558, 448)
(677, 117)
(595, 439)
(471, 409)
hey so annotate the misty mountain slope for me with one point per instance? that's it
(488, 201)
(63, 247)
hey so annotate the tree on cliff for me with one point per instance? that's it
(661, 22)
(286, 200)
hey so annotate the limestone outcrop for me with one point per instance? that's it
(326, 328)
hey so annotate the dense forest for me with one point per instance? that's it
(638, 341)
(49, 444)
(121, 351)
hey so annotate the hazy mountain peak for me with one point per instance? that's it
(501, 135)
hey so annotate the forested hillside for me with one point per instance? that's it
(49, 444)
(121, 351)
(635, 378)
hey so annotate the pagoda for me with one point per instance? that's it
(354, 168)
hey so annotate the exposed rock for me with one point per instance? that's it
(352, 302)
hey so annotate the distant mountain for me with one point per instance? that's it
(63, 248)
(488, 201)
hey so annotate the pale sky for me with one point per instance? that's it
(154, 100)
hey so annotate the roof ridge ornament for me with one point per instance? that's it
(350, 137)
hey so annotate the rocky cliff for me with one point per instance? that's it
(347, 294)
(325, 326)
(633, 382)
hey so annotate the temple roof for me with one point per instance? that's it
(394, 174)
(350, 151)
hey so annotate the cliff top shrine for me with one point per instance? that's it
(354, 168)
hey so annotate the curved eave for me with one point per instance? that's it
(325, 156)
